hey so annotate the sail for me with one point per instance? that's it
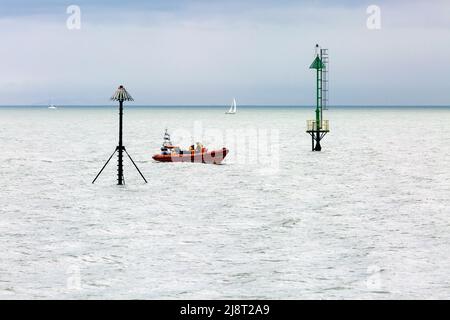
(232, 107)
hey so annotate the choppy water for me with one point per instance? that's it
(366, 218)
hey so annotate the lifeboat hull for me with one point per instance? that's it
(212, 157)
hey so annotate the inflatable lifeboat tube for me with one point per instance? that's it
(212, 157)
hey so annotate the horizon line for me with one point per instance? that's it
(226, 105)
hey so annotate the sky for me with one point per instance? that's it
(194, 52)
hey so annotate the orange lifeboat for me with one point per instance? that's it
(171, 153)
(213, 157)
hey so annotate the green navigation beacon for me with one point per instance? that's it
(319, 127)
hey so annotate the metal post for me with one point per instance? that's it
(104, 166)
(321, 89)
(317, 132)
(120, 95)
(318, 113)
(120, 147)
(135, 164)
(318, 101)
(318, 146)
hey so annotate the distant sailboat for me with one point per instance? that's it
(51, 105)
(232, 108)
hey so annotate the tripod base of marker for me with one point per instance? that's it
(316, 137)
(120, 178)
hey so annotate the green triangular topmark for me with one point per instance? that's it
(317, 64)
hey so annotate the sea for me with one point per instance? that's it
(366, 218)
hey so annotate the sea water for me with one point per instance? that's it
(368, 217)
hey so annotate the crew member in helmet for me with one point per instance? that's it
(199, 147)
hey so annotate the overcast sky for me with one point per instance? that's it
(207, 52)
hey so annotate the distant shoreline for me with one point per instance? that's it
(240, 106)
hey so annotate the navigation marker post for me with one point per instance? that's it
(318, 127)
(121, 95)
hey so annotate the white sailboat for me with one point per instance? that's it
(232, 108)
(51, 105)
